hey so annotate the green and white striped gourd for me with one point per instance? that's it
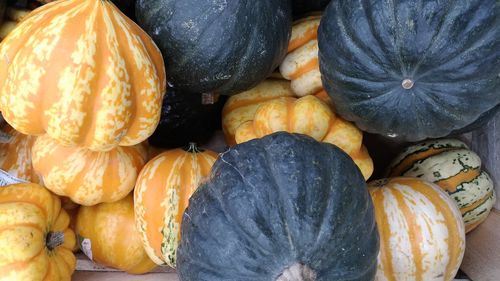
(450, 164)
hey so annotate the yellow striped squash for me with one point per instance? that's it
(450, 164)
(422, 235)
(35, 241)
(162, 194)
(310, 116)
(88, 177)
(83, 73)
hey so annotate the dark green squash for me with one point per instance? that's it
(303, 7)
(412, 69)
(275, 205)
(186, 118)
(221, 46)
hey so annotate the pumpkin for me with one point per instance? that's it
(451, 165)
(222, 47)
(109, 237)
(283, 207)
(301, 64)
(411, 70)
(88, 177)
(242, 107)
(161, 194)
(35, 241)
(186, 118)
(311, 116)
(421, 231)
(72, 209)
(15, 155)
(83, 73)
(304, 7)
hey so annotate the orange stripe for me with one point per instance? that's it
(310, 34)
(451, 184)
(310, 65)
(408, 161)
(477, 203)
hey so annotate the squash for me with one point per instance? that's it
(72, 209)
(108, 233)
(161, 194)
(283, 207)
(221, 47)
(86, 176)
(35, 241)
(451, 165)
(305, 7)
(311, 116)
(301, 65)
(186, 118)
(83, 73)
(242, 107)
(421, 231)
(411, 70)
(15, 155)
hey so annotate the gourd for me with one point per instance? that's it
(451, 165)
(311, 116)
(411, 70)
(422, 234)
(83, 73)
(35, 241)
(110, 238)
(88, 177)
(161, 194)
(221, 47)
(283, 207)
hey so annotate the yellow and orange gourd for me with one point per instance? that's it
(422, 235)
(35, 241)
(83, 73)
(88, 177)
(161, 195)
(311, 116)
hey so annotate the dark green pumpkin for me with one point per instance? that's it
(412, 69)
(276, 204)
(217, 46)
(186, 118)
(303, 7)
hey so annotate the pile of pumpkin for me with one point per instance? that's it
(95, 131)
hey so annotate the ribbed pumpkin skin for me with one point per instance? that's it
(28, 212)
(85, 176)
(115, 242)
(15, 156)
(457, 170)
(222, 47)
(161, 195)
(83, 73)
(448, 49)
(422, 234)
(242, 107)
(301, 64)
(275, 202)
(311, 116)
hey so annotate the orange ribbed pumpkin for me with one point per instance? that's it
(161, 195)
(422, 235)
(83, 73)
(88, 177)
(109, 233)
(301, 65)
(15, 156)
(311, 116)
(35, 241)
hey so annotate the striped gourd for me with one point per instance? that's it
(422, 235)
(15, 155)
(301, 65)
(161, 195)
(450, 164)
(83, 73)
(88, 177)
(311, 116)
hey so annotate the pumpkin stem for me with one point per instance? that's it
(298, 272)
(407, 84)
(193, 148)
(54, 240)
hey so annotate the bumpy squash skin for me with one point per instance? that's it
(224, 47)
(274, 202)
(448, 49)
